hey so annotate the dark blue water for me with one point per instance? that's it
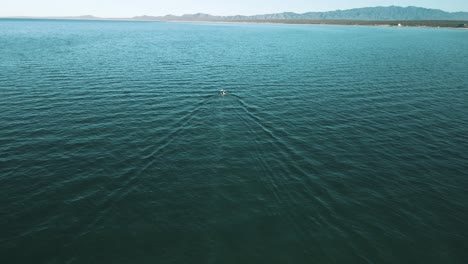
(334, 144)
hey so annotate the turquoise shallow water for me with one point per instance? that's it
(334, 144)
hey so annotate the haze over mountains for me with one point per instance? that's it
(367, 13)
(390, 13)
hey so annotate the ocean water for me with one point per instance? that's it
(334, 144)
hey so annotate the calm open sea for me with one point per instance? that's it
(334, 144)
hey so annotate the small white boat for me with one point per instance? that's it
(223, 92)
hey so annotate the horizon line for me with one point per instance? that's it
(143, 15)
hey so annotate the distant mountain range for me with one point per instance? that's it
(390, 13)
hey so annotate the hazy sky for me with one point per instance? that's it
(128, 8)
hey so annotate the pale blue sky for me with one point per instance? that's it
(129, 8)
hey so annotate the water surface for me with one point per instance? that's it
(334, 144)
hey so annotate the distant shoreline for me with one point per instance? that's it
(313, 23)
(443, 24)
